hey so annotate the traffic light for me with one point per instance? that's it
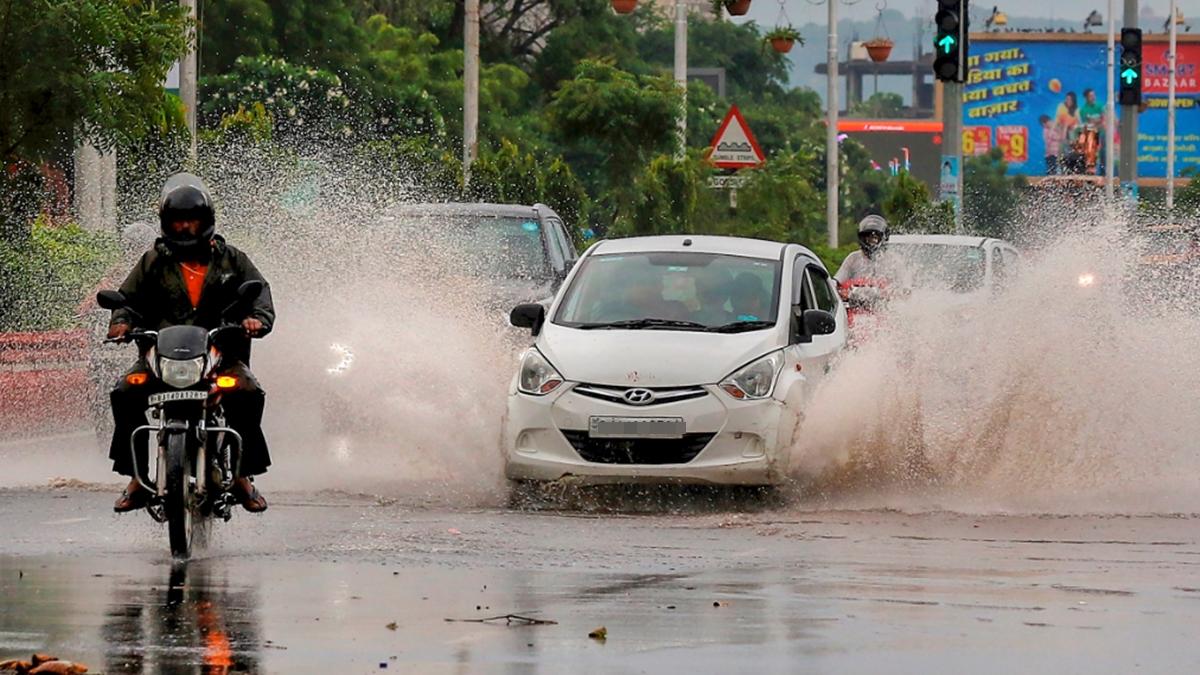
(950, 41)
(1130, 70)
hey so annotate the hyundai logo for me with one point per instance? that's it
(638, 396)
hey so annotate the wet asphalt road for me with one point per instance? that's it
(329, 582)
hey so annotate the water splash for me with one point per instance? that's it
(1054, 396)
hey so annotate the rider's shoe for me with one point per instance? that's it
(249, 496)
(134, 497)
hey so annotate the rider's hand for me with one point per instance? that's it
(253, 326)
(117, 331)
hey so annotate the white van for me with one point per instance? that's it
(673, 359)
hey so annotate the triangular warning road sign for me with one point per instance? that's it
(734, 146)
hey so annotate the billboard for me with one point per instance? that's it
(1036, 99)
(912, 145)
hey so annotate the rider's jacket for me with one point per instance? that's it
(156, 290)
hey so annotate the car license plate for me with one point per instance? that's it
(168, 396)
(636, 427)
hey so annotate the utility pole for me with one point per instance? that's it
(187, 77)
(831, 132)
(1129, 117)
(470, 88)
(1171, 84)
(1109, 109)
(681, 58)
(952, 136)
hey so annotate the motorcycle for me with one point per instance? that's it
(865, 298)
(198, 455)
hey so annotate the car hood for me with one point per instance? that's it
(651, 358)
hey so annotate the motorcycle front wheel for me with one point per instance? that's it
(180, 496)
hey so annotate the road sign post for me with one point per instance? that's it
(733, 147)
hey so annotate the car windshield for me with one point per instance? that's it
(672, 291)
(486, 246)
(939, 266)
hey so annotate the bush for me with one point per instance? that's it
(51, 272)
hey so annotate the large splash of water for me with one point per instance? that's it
(1054, 396)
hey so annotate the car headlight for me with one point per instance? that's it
(537, 376)
(755, 380)
(346, 359)
(180, 374)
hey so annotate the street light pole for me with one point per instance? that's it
(470, 87)
(831, 132)
(187, 77)
(681, 57)
(1171, 84)
(1109, 111)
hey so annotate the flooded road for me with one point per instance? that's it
(331, 582)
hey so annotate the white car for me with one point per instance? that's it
(673, 359)
(962, 264)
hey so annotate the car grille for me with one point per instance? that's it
(661, 394)
(637, 450)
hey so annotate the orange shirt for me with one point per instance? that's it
(193, 278)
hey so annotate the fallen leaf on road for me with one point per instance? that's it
(600, 633)
(393, 626)
(454, 531)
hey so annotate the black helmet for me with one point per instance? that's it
(872, 224)
(185, 197)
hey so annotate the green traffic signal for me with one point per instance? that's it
(947, 43)
(1129, 75)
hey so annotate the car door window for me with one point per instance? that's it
(801, 293)
(823, 295)
(560, 236)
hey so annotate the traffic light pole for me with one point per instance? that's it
(952, 95)
(1110, 109)
(1129, 117)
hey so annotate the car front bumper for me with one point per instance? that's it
(743, 442)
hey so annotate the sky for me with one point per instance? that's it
(801, 11)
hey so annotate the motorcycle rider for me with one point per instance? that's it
(870, 261)
(189, 277)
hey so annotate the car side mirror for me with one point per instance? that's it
(111, 300)
(809, 323)
(531, 316)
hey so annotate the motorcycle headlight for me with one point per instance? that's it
(755, 380)
(537, 376)
(180, 374)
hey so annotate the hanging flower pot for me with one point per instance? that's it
(783, 38)
(879, 49)
(624, 6)
(734, 7)
(737, 7)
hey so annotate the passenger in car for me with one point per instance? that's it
(713, 286)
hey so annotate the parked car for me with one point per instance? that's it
(684, 359)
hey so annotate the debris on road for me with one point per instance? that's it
(509, 620)
(600, 634)
(42, 664)
(393, 626)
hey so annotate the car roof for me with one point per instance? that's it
(751, 248)
(941, 239)
(473, 209)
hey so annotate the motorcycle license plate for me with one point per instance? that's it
(636, 427)
(169, 396)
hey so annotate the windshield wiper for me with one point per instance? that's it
(637, 324)
(741, 326)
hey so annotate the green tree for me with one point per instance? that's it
(991, 198)
(321, 33)
(879, 105)
(104, 83)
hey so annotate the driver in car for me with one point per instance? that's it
(189, 277)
